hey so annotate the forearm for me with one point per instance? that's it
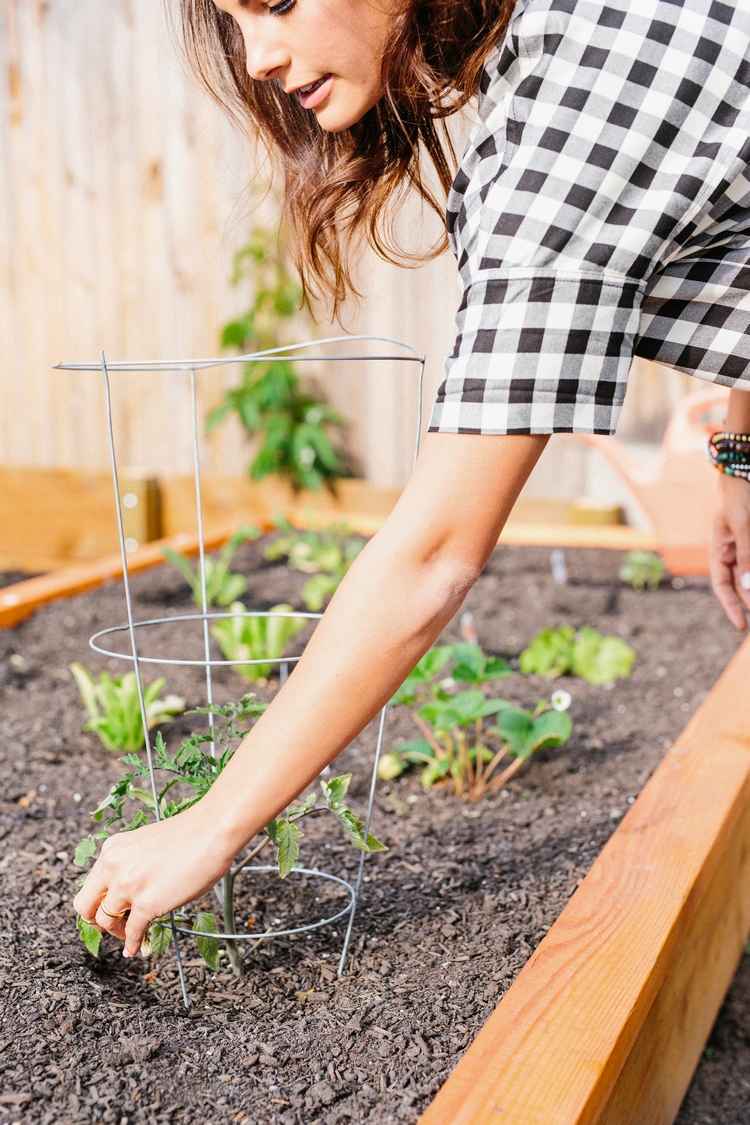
(383, 617)
(738, 411)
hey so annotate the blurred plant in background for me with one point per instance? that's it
(643, 570)
(222, 586)
(114, 709)
(291, 420)
(326, 554)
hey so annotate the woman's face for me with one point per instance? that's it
(297, 42)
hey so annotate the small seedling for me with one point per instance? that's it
(643, 570)
(562, 651)
(262, 638)
(222, 586)
(184, 778)
(326, 555)
(113, 707)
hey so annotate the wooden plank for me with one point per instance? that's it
(22, 598)
(66, 514)
(606, 1021)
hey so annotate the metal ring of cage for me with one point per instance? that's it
(213, 663)
(268, 934)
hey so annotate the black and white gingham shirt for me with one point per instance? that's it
(601, 211)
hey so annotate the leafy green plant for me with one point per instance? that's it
(270, 401)
(256, 638)
(326, 554)
(184, 778)
(594, 656)
(643, 570)
(458, 749)
(469, 665)
(114, 711)
(222, 586)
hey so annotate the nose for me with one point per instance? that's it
(264, 56)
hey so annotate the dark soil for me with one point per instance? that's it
(449, 915)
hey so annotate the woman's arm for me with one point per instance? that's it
(399, 593)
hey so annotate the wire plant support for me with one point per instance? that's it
(190, 368)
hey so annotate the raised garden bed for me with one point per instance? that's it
(450, 914)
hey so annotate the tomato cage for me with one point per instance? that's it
(101, 641)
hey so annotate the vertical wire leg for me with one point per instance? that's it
(134, 646)
(363, 855)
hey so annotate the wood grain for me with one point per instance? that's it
(606, 1021)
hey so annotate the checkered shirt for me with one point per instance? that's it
(601, 210)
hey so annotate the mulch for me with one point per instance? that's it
(449, 913)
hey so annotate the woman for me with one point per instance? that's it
(601, 210)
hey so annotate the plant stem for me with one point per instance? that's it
(484, 778)
(458, 781)
(429, 735)
(506, 775)
(235, 957)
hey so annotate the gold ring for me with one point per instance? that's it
(119, 914)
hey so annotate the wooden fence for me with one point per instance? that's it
(121, 201)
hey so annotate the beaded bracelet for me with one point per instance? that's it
(730, 453)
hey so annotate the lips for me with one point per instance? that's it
(303, 91)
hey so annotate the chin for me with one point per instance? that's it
(332, 120)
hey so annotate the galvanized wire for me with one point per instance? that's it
(192, 367)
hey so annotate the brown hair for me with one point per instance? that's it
(339, 185)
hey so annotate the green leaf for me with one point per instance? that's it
(355, 830)
(208, 947)
(85, 851)
(434, 771)
(601, 659)
(158, 939)
(91, 935)
(217, 415)
(336, 789)
(550, 653)
(318, 589)
(287, 840)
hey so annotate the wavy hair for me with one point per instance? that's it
(338, 187)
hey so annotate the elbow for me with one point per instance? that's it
(451, 580)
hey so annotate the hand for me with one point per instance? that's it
(152, 870)
(730, 549)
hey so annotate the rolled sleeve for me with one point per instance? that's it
(543, 353)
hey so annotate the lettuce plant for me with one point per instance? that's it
(594, 656)
(326, 555)
(643, 570)
(222, 586)
(185, 777)
(114, 711)
(256, 638)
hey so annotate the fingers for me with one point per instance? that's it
(723, 569)
(86, 902)
(742, 568)
(135, 929)
(99, 898)
(110, 905)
